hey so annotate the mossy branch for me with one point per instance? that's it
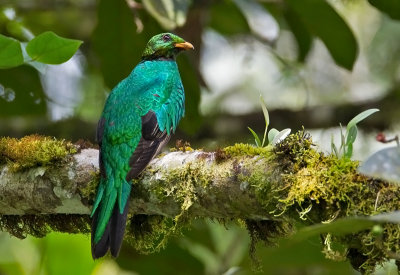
(269, 189)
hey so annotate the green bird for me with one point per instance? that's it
(139, 116)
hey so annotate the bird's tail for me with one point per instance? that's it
(108, 222)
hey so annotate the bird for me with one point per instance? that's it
(138, 119)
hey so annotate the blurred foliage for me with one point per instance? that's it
(169, 13)
(19, 98)
(323, 21)
(390, 7)
(114, 35)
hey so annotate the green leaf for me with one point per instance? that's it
(351, 135)
(281, 136)
(169, 13)
(390, 7)
(324, 22)
(348, 150)
(345, 226)
(265, 111)
(10, 52)
(301, 34)
(50, 48)
(342, 139)
(360, 117)
(334, 148)
(391, 217)
(256, 139)
(271, 135)
(41, 67)
(338, 228)
(266, 118)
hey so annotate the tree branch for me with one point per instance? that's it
(67, 189)
(270, 189)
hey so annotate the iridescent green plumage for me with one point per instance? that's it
(140, 114)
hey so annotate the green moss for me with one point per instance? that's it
(88, 191)
(33, 150)
(318, 188)
(243, 149)
(183, 184)
(40, 225)
(148, 233)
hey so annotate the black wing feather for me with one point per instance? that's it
(149, 145)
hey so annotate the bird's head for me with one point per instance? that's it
(165, 45)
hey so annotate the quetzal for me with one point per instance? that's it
(139, 116)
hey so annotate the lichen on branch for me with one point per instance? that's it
(267, 190)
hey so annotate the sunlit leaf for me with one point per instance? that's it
(41, 67)
(390, 7)
(10, 52)
(169, 13)
(271, 135)
(265, 111)
(266, 118)
(281, 136)
(324, 22)
(361, 116)
(50, 48)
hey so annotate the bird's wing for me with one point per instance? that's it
(150, 144)
(165, 111)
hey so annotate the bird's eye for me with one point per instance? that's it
(166, 37)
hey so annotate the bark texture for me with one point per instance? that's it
(196, 181)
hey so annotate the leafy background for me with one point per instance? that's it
(316, 63)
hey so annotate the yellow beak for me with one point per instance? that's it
(185, 46)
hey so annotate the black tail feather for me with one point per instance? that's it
(113, 235)
(100, 249)
(117, 229)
